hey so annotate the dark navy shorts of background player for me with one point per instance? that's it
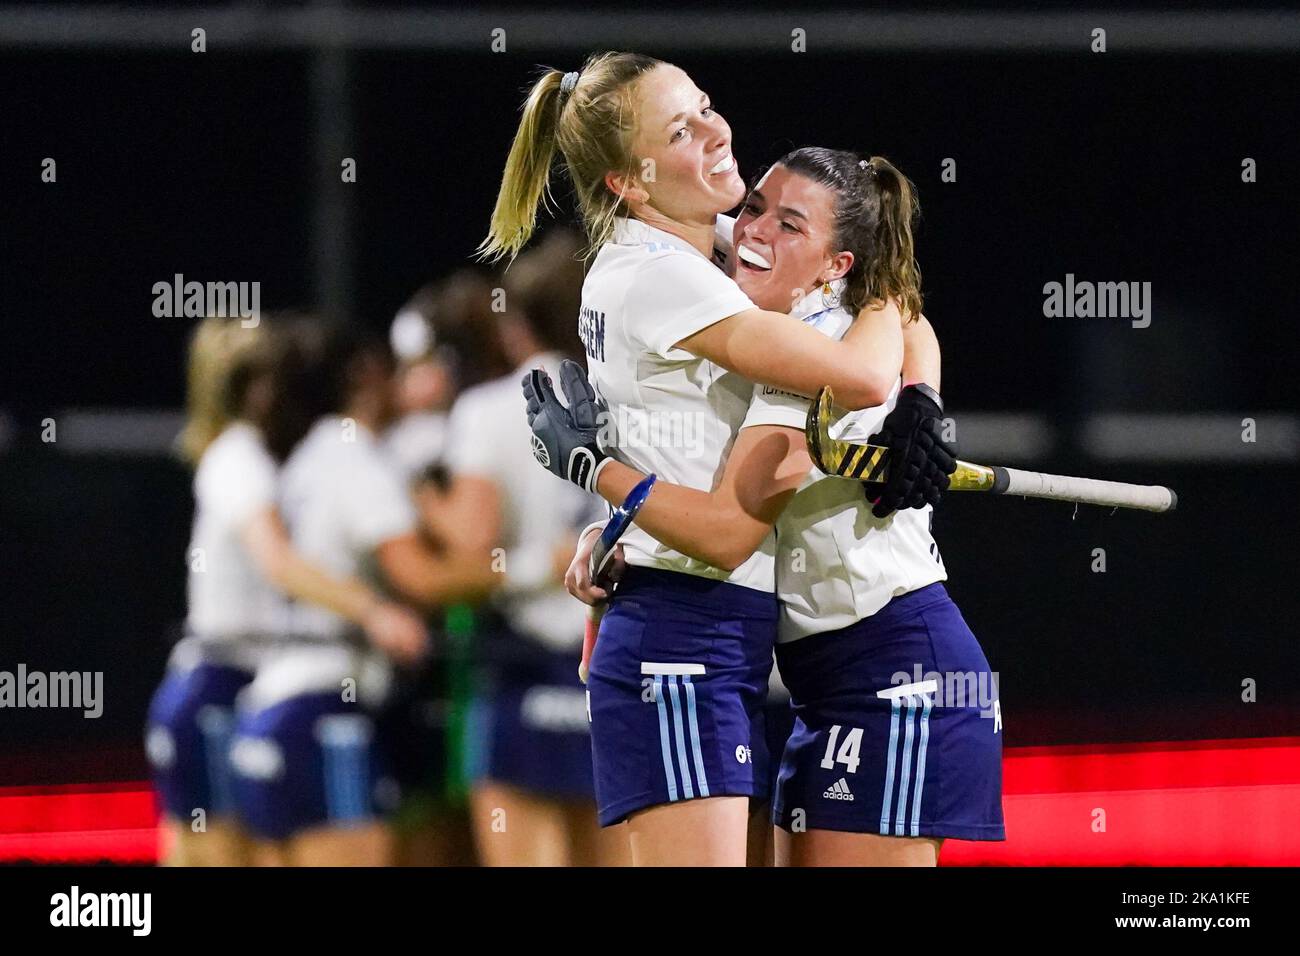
(191, 719)
(677, 686)
(412, 728)
(921, 769)
(311, 761)
(528, 725)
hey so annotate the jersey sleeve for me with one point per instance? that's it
(675, 295)
(237, 481)
(379, 507)
(771, 406)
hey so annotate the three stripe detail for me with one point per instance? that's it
(906, 821)
(679, 729)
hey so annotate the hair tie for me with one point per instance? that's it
(569, 82)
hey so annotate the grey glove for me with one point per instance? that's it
(564, 439)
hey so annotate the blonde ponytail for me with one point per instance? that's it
(525, 184)
(589, 121)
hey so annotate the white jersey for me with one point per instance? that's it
(228, 596)
(672, 413)
(488, 438)
(835, 563)
(341, 498)
(416, 441)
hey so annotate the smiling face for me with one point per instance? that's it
(785, 240)
(683, 150)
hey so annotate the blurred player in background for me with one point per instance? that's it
(446, 340)
(241, 564)
(311, 779)
(533, 799)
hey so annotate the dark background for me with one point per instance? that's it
(1117, 167)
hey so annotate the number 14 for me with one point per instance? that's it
(849, 750)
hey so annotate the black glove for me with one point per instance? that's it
(564, 439)
(920, 461)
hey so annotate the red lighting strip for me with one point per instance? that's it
(1195, 803)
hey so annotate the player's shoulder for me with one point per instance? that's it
(237, 450)
(488, 397)
(333, 451)
(831, 321)
(645, 253)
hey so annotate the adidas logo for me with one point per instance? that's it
(839, 790)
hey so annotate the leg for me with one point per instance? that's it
(589, 844)
(268, 853)
(370, 844)
(703, 832)
(223, 843)
(515, 828)
(833, 848)
(442, 838)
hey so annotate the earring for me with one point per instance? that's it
(829, 299)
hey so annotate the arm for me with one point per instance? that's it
(764, 468)
(727, 525)
(391, 627)
(468, 517)
(921, 358)
(469, 512)
(766, 347)
(268, 542)
(422, 576)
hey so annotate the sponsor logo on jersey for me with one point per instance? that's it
(770, 390)
(591, 329)
(839, 790)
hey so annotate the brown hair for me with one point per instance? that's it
(875, 209)
(591, 126)
(544, 287)
(459, 312)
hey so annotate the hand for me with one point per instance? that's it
(564, 439)
(577, 580)
(397, 631)
(920, 459)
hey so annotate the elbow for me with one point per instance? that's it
(866, 391)
(732, 556)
